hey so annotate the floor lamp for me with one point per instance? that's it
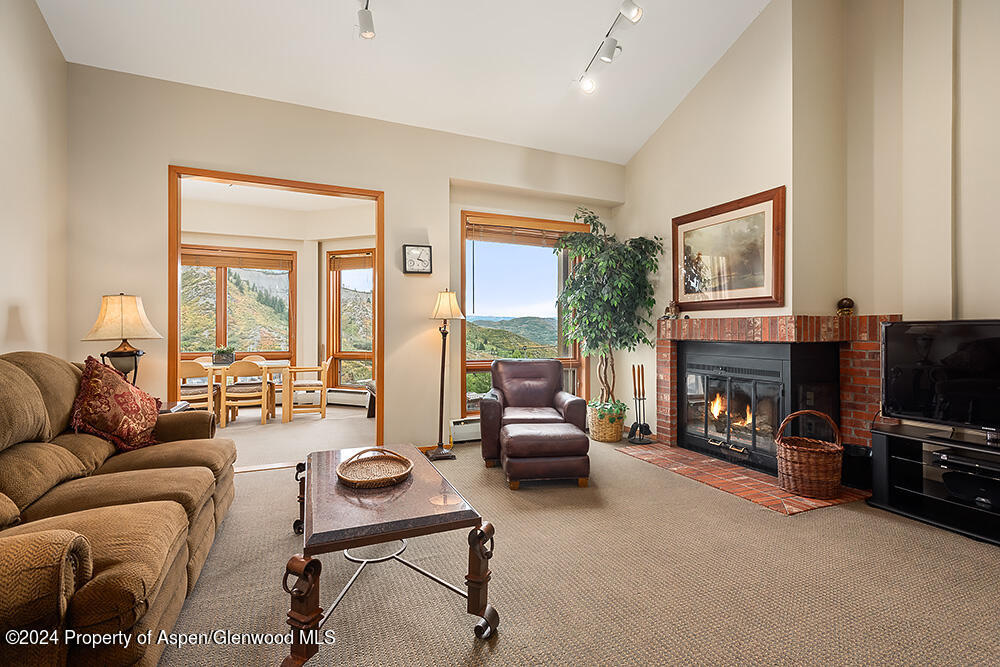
(445, 309)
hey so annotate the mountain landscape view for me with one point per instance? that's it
(490, 337)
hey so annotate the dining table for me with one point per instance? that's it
(271, 367)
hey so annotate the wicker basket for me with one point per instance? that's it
(383, 468)
(809, 467)
(603, 430)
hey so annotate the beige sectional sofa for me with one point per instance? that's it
(90, 539)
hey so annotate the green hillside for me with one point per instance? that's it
(483, 342)
(257, 319)
(544, 330)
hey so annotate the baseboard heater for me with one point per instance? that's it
(465, 430)
(353, 397)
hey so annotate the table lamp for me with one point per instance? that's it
(445, 309)
(122, 317)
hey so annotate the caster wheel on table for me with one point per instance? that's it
(487, 625)
(297, 527)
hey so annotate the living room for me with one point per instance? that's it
(860, 134)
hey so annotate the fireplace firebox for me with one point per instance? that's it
(733, 396)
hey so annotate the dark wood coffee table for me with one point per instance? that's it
(335, 517)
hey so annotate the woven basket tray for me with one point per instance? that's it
(383, 467)
(806, 466)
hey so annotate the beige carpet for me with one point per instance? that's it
(277, 442)
(643, 567)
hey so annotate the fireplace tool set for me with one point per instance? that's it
(640, 429)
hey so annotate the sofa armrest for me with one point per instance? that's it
(187, 425)
(572, 408)
(39, 573)
(490, 418)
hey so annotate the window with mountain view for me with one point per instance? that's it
(240, 298)
(351, 344)
(512, 279)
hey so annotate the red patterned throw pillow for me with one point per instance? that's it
(109, 407)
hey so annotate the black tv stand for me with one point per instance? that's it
(948, 480)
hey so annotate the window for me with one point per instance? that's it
(511, 279)
(237, 297)
(352, 310)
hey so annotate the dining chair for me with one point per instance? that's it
(271, 397)
(249, 387)
(291, 384)
(199, 395)
(207, 359)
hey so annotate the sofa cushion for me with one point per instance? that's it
(133, 547)
(216, 454)
(529, 440)
(28, 470)
(10, 515)
(109, 407)
(189, 487)
(91, 450)
(58, 380)
(22, 410)
(531, 416)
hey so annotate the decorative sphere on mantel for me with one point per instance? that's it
(845, 307)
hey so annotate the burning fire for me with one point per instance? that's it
(718, 406)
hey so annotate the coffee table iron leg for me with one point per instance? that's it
(478, 579)
(298, 526)
(305, 614)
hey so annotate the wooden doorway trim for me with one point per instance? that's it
(174, 175)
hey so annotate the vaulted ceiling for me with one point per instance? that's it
(502, 70)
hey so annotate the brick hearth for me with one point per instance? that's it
(859, 360)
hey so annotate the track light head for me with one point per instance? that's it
(366, 24)
(587, 84)
(609, 49)
(631, 11)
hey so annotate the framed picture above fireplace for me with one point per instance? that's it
(731, 255)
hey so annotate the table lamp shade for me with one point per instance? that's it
(122, 316)
(447, 307)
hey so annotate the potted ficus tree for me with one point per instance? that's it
(608, 304)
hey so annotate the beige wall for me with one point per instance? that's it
(33, 156)
(730, 137)
(977, 182)
(125, 130)
(873, 68)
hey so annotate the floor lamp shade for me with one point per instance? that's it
(447, 307)
(122, 317)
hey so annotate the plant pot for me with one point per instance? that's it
(223, 358)
(607, 428)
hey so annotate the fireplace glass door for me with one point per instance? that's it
(740, 414)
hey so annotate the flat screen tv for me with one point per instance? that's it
(943, 372)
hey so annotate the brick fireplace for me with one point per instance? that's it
(858, 351)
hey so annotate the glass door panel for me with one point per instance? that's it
(766, 417)
(718, 414)
(695, 394)
(741, 413)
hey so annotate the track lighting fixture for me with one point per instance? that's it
(631, 11)
(609, 47)
(366, 23)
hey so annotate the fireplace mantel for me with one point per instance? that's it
(775, 329)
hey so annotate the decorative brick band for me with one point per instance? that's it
(860, 361)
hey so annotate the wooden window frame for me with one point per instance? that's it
(333, 319)
(222, 294)
(576, 361)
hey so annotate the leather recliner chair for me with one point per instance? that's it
(526, 391)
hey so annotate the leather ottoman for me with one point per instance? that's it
(544, 451)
